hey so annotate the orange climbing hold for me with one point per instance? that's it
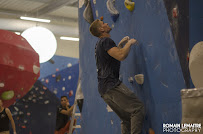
(151, 131)
(101, 18)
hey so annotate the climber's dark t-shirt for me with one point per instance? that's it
(61, 119)
(107, 67)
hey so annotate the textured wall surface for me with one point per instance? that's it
(158, 57)
(35, 113)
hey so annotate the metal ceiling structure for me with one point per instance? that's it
(62, 13)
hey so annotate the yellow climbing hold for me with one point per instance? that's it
(7, 95)
(129, 5)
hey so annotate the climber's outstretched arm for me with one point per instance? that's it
(121, 54)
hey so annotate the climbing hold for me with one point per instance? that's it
(47, 81)
(36, 69)
(188, 56)
(46, 102)
(70, 93)
(151, 131)
(87, 14)
(81, 3)
(129, 5)
(111, 122)
(114, 13)
(139, 78)
(23, 126)
(28, 114)
(26, 106)
(7, 95)
(1, 84)
(94, 1)
(175, 12)
(16, 109)
(69, 65)
(196, 64)
(101, 18)
(130, 79)
(69, 77)
(21, 67)
(108, 108)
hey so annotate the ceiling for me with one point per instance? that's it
(62, 13)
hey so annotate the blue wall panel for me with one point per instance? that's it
(155, 56)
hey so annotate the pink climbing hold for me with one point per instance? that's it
(175, 12)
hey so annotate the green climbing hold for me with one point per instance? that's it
(7, 95)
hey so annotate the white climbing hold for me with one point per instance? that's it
(94, 1)
(36, 69)
(69, 65)
(130, 79)
(111, 122)
(16, 109)
(46, 102)
(196, 64)
(111, 8)
(55, 92)
(97, 13)
(108, 108)
(69, 77)
(63, 88)
(21, 67)
(81, 3)
(2, 84)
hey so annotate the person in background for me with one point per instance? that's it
(64, 112)
(5, 117)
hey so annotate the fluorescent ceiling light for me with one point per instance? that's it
(69, 38)
(35, 19)
(18, 33)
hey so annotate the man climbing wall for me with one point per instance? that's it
(121, 99)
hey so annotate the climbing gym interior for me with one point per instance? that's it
(48, 51)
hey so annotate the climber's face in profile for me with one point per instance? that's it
(104, 27)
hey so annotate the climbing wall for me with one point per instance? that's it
(161, 56)
(60, 75)
(35, 113)
(196, 20)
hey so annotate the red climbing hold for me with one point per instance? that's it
(19, 67)
(175, 12)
